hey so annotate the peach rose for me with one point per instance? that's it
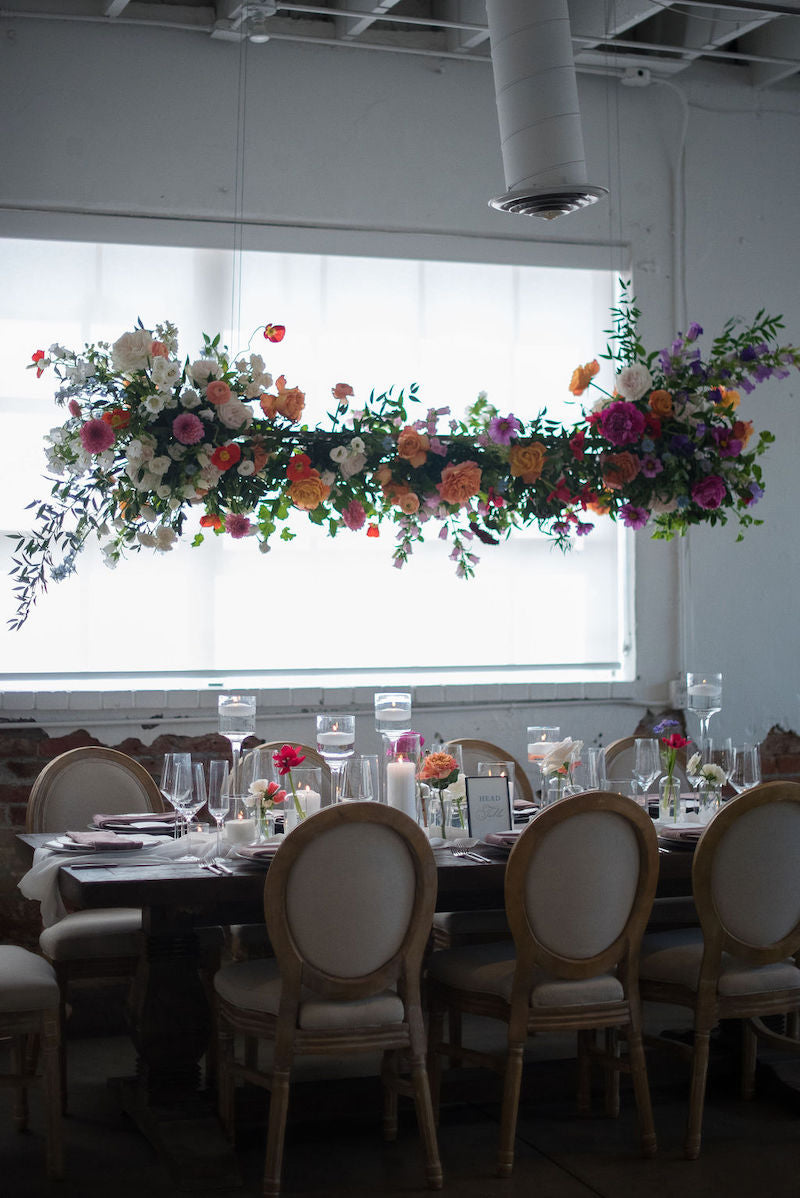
(412, 446)
(661, 403)
(260, 458)
(598, 505)
(582, 376)
(291, 401)
(308, 493)
(158, 350)
(409, 503)
(619, 469)
(383, 475)
(218, 392)
(459, 482)
(269, 406)
(527, 461)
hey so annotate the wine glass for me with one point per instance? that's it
(219, 799)
(336, 740)
(704, 698)
(237, 721)
(646, 762)
(370, 777)
(176, 781)
(746, 769)
(195, 797)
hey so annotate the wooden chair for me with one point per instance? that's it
(619, 760)
(29, 1001)
(101, 944)
(579, 886)
(738, 964)
(312, 757)
(482, 750)
(348, 902)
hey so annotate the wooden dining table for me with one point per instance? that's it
(169, 1011)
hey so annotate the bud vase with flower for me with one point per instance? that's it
(708, 778)
(438, 771)
(557, 768)
(669, 791)
(266, 797)
(286, 759)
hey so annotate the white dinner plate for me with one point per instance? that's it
(62, 844)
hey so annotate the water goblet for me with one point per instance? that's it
(336, 738)
(370, 778)
(704, 698)
(646, 762)
(746, 769)
(219, 799)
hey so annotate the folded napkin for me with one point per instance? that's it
(502, 840)
(104, 840)
(260, 852)
(681, 832)
(136, 818)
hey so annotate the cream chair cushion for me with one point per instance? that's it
(676, 957)
(764, 842)
(107, 932)
(27, 982)
(489, 969)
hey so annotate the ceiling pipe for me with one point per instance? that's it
(537, 109)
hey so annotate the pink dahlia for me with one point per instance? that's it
(188, 428)
(237, 526)
(354, 515)
(96, 436)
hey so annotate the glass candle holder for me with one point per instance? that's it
(541, 740)
(336, 739)
(393, 712)
(499, 769)
(308, 788)
(401, 757)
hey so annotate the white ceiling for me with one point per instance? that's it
(741, 40)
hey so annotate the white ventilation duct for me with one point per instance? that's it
(537, 109)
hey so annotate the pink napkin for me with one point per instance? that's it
(681, 832)
(257, 852)
(136, 817)
(502, 840)
(104, 840)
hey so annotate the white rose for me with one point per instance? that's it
(146, 539)
(165, 374)
(160, 465)
(190, 398)
(633, 381)
(132, 351)
(246, 468)
(165, 539)
(234, 414)
(352, 464)
(259, 787)
(203, 368)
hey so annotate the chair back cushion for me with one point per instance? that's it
(84, 782)
(349, 899)
(581, 884)
(755, 877)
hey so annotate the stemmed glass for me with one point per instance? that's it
(237, 721)
(336, 740)
(704, 698)
(176, 781)
(219, 799)
(746, 771)
(646, 762)
(195, 797)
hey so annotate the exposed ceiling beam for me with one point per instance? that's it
(114, 7)
(471, 12)
(364, 14)
(781, 37)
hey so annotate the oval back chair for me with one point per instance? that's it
(474, 751)
(619, 759)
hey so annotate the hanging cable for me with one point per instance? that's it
(238, 193)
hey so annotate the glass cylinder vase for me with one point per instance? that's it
(400, 766)
(669, 800)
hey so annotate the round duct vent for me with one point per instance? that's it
(548, 202)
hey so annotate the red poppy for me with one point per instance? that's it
(299, 467)
(38, 357)
(274, 332)
(210, 521)
(286, 759)
(226, 456)
(676, 741)
(373, 531)
(117, 417)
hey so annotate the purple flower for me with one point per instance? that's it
(755, 494)
(748, 354)
(714, 396)
(621, 422)
(96, 436)
(188, 428)
(698, 369)
(728, 445)
(695, 331)
(583, 528)
(709, 492)
(238, 526)
(651, 466)
(747, 386)
(633, 517)
(502, 429)
(354, 516)
(681, 445)
(665, 361)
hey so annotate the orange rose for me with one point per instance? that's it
(619, 469)
(383, 475)
(459, 482)
(730, 400)
(661, 403)
(269, 406)
(412, 446)
(409, 503)
(291, 400)
(260, 458)
(218, 392)
(743, 430)
(527, 461)
(582, 376)
(309, 492)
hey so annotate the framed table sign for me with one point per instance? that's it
(488, 806)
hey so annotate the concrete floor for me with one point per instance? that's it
(334, 1146)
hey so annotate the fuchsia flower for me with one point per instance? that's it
(188, 428)
(632, 516)
(238, 526)
(96, 436)
(502, 429)
(354, 516)
(621, 423)
(709, 492)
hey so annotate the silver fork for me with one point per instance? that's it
(470, 853)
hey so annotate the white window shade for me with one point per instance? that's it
(318, 606)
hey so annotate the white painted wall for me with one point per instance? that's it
(143, 124)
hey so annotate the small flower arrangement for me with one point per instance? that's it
(286, 759)
(670, 744)
(266, 796)
(558, 765)
(440, 771)
(156, 447)
(704, 772)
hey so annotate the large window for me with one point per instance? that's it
(317, 606)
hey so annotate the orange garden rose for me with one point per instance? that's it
(619, 469)
(527, 461)
(218, 392)
(438, 767)
(412, 446)
(291, 400)
(582, 376)
(459, 482)
(308, 492)
(661, 403)
(409, 503)
(269, 405)
(599, 505)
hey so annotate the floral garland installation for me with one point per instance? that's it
(153, 446)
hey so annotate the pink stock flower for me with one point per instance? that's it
(188, 428)
(96, 436)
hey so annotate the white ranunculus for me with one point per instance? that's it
(160, 465)
(190, 398)
(633, 381)
(153, 403)
(246, 468)
(259, 787)
(207, 413)
(354, 463)
(203, 369)
(165, 539)
(711, 772)
(234, 414)
(165, 374)
(132, 351)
